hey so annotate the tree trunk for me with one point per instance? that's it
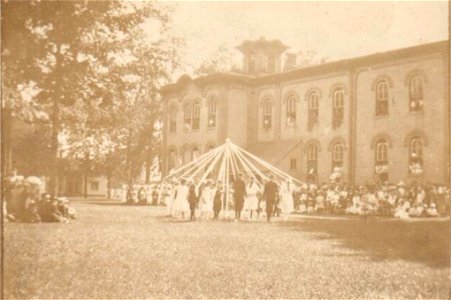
(149, 158)
(54, 147)
(108, 175)
(129, 159)
(85, 185)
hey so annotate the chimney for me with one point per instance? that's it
(290, 61)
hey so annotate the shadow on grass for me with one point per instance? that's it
(425, 242)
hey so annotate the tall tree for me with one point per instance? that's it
(86, 58)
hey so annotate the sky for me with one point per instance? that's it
(334, 30)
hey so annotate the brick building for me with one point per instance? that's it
(378, 117)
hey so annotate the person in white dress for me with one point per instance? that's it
(251, 202)
(206, 201)
(286, 196)
(181, 205)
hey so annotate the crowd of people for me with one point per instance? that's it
(24, 202)
(187, 199)
(400, 200)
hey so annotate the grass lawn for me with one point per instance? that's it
(116, 251)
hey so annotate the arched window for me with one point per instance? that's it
(416, 156)
(267, 113)
(172, 119)
(416, 93)
(312, 161)
(194, 153)
(196, 116)
(252, 63)
(382, 98)
(212, 112)
(210, 147)
(381, 159)
(172, 159)
(291, 110)
(338, 107)
(187, 116)
(337, 155)
(313, 110)
(271, 63)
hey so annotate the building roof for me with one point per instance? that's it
(262, 43)
(330, 67)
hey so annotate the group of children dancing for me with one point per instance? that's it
(185, 199)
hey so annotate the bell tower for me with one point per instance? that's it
(262, 57)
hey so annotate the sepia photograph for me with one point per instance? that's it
(225, 149)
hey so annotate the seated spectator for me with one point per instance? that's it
(303, 207)
(319, 203)
(51, 213)
(401, 212)
(432, 211)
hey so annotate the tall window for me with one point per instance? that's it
(381, 159)
(212, 112)
(196, 116)
(416, 156)
(172, 119)
(338, 107)
(416, 93)
(252, 62)
(293, 164)
(194, 153)
(291, 110)
(313, 110)
(337, 156)
(267, 114)
(312, 161)
(271, 63)
(172, 159)
(382, 98)
(187, 116)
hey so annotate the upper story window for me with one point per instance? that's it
(196, 116)
(187, 116)
(252, 62)
(172, 119)
(267, 113)
(337, 155)
(212, 112)
(382, 98)
(271, 63)
(191, 116)
(338, 107)
(416, 93)
(313, 109)
(416, 156)
(291, 110)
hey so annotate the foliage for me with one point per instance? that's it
(94, 73)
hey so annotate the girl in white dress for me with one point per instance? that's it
(286, 196)
(181, 205)
(251, 202)
(206, 201)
